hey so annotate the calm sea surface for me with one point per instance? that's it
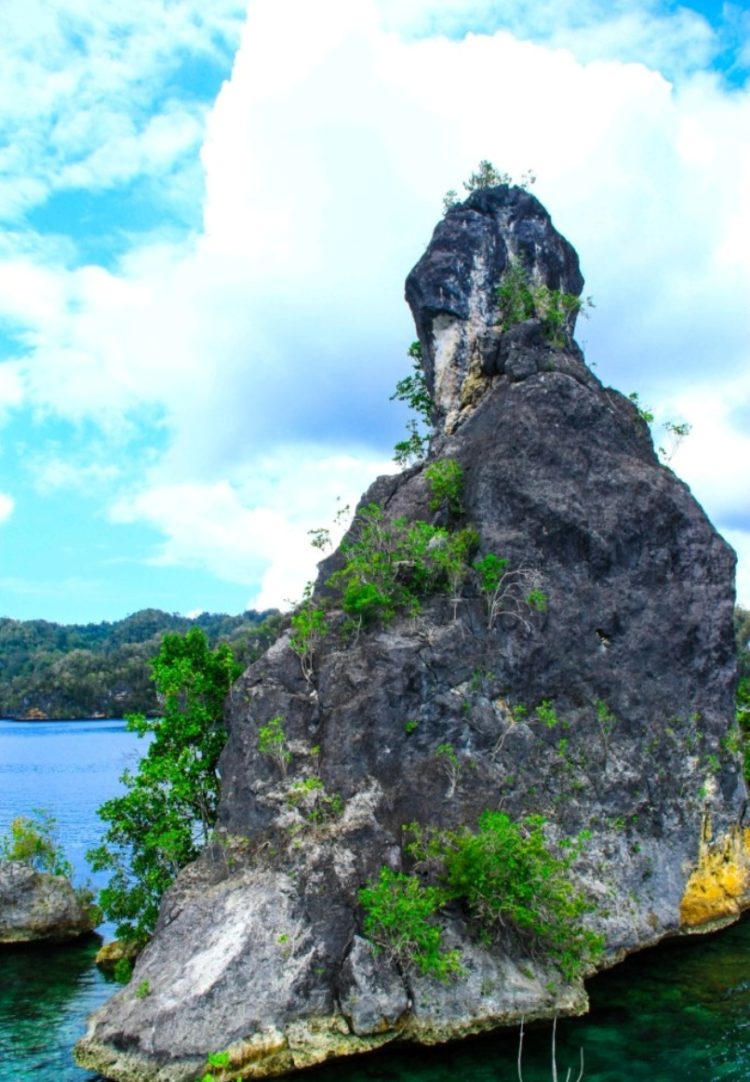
(680, 1013)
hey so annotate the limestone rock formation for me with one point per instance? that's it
(36, 906)
(606, 712)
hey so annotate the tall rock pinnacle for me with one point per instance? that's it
(575, 662)
(451, 289)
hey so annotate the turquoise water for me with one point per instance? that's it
(680, 1013)
(68, 768)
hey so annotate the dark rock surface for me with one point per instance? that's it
(36, 906)
(259, 947)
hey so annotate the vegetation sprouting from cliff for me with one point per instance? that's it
(506, 877)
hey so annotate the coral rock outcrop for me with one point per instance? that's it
(39, 907)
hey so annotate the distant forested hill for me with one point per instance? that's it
(85, 670)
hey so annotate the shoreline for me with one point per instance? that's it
(44, 721)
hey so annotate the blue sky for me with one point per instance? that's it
(208, 212)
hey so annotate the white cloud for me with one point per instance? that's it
(7, 506)
(79, 82)
(11, 387)
(714, 457)
(282, 326)
(740, 542)
(255, 530)
(648, 31)
(54, 472)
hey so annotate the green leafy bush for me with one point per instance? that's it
(123, 970)
(414, 392)
(166, 814)
(446, 480)
(33, 840)
(388, 566)
(512, 592)
(272, 743)
(519, 298)
(508, 876)
(309, 628)
(486, 176)
(400, 918)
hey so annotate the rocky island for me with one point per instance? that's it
(38, 907)
(527, 636)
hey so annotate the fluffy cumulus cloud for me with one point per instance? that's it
(7, 505)
(249, 362)
(255, 530)
(80, 83)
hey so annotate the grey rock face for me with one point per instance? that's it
(451, 291)
(259, 947)
(35, 906)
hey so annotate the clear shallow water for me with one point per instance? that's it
(680, 1013)
(68, 768)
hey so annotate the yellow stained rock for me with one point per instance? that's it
(716, 888)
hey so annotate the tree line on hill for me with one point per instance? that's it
(104, 670)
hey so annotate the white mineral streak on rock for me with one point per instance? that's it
(256, 917)
(454, 345)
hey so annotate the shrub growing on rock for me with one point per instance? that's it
(33, 840)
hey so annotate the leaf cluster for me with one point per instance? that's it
(390, 565)
(446, 480)
(507, 876)
(401, 919)
(33, 840)
(164, 817)
(309, 628)
(87, 670)
(507, 591)
(486, 176)
(519, 298)
(413, 391)
(272, 743)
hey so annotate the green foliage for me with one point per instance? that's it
(33, 840)
(400, 916)
(645, 413)
(166, 814)
(446, 480)
(519, 298)
(143, 990)
(453, 559)
(388, 566)
(316, 805)
(486, 176)
(272, 743)
(123, 970)
(216, 1061)
(508, 876)
(414, 392)
(451, 765)
(411, 726)
(512, 592)
(87, 670)
(309, 628)
(743, 720)
(412, 449)
(547, 714)
(302, 788)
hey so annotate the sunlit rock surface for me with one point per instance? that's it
(36, 906)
